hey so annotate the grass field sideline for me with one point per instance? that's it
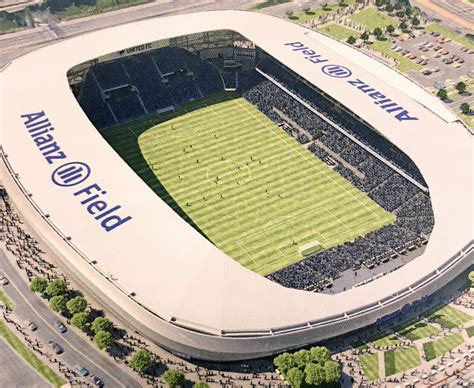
(255, 192)
(400, 360)
(440, 346)
(29, 356)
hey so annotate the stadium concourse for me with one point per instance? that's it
(159, 256)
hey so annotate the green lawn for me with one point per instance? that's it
(370, 364)
(400, 360)
(470, 331)
(403, 64)
(6, 301)
(386, 340)
(417, 330)
(438, 347)
(338, 31)
(448, 317)
(246, 185)
(315, 13)
(29, 356)
(372, 18)
(450, 34)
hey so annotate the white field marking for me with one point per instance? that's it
(248, 254)
(336, 181)
(130, 129)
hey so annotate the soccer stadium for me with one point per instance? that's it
(236, 185)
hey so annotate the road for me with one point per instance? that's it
(10, 363)
(76, 349)
(19, 43)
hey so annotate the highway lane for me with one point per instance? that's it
(76, 349)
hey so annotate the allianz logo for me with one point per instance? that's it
(338, 71)
(73, 174)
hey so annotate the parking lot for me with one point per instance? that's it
(444, 62)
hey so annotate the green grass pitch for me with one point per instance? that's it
(437, 348)
(401, 360)
(246, 185)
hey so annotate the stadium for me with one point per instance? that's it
(235, 185)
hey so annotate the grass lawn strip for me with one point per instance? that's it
(418, 330)
(448, 317)
(400, 360)
(6, 300)
(440, 346)
(29, 356)
(370, 364)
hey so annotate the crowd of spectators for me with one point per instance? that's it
(132, 87)
(385, 186)
(124, 89)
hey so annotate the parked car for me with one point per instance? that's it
(60, 326)
(56, 347)
(30, 325)
(98, 382)
(82, 371)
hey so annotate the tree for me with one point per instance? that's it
(76, 305)
(442, 94)
(332, 371)
(81, 320)
(103, 339)
(379, 3)
(301, 358)
(415, 21)
(101, 324)
(461, 87)
(378, 32)
(390, 29)
(319, 355)
(289, 14)
(314, 374)
(401, 13)
(56, 287)
(38, 284)
(403, 25)
(201, 384)
(295, 377)
(284, 362)
(307, 10)
(141, 361)
(58, 303)
(389, 7)
(342, 3)
(465, 108)
(365, 35)
(174, 377)
(351, 40)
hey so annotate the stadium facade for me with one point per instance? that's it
(128, 247)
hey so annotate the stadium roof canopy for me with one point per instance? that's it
(156, 256)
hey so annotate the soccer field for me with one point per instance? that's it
(246, 185)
